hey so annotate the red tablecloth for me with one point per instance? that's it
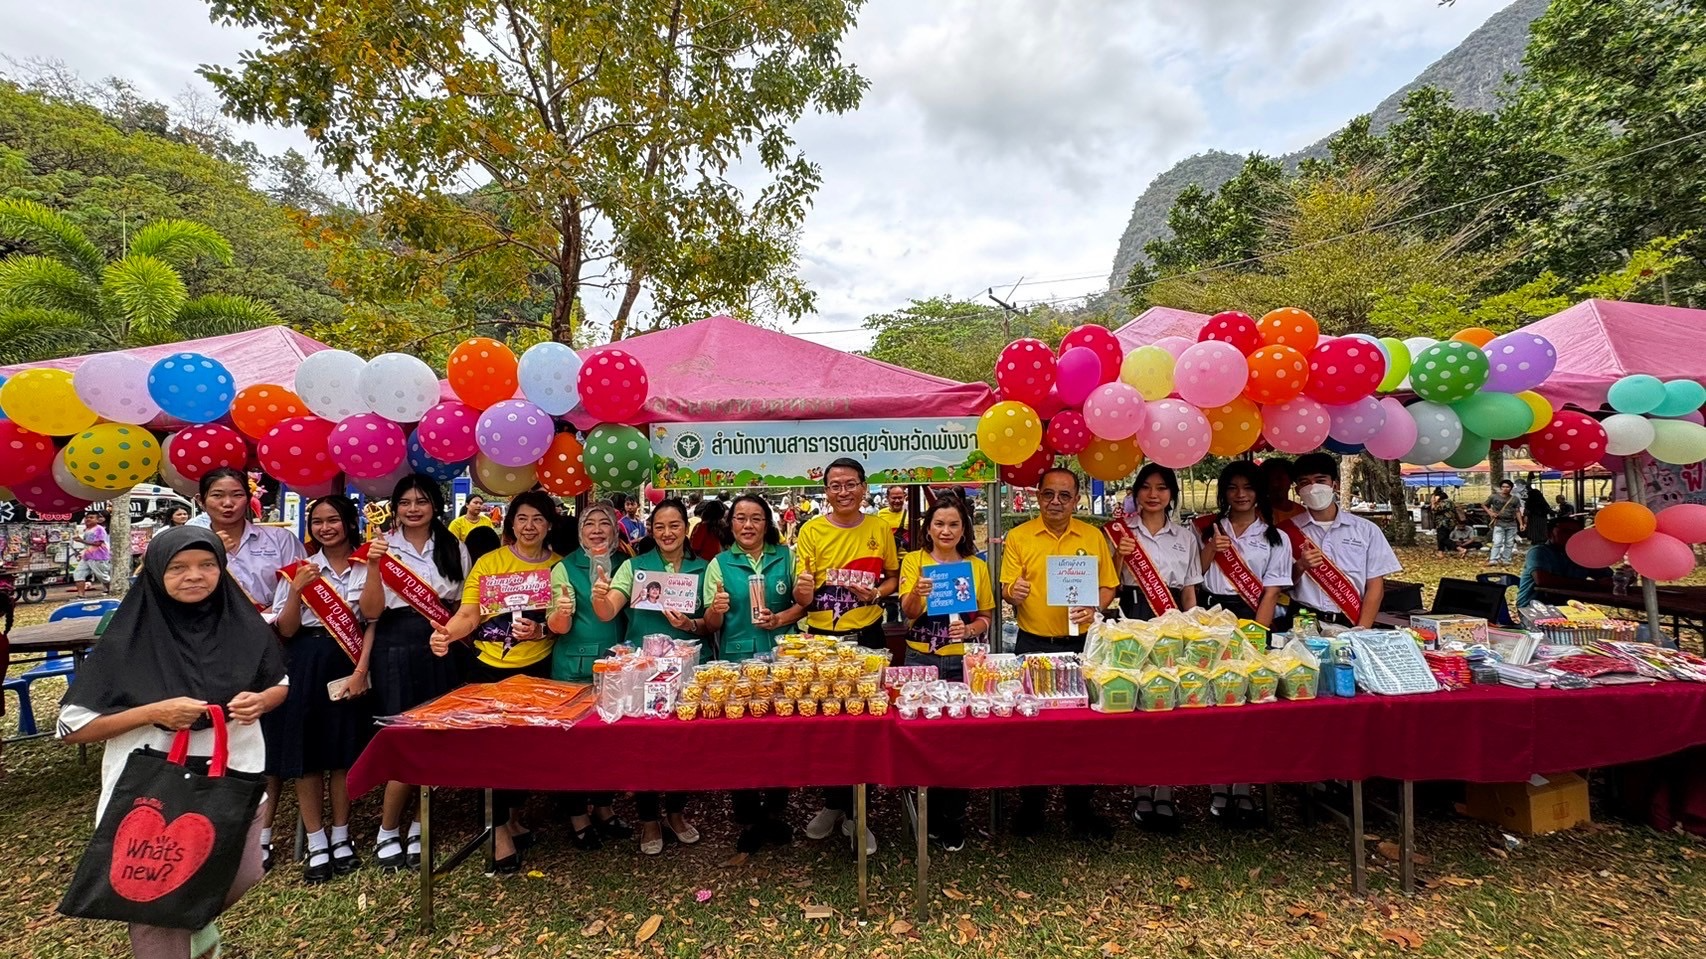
(1480, 734)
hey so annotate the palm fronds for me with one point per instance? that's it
(146, 291)
(180, 243)
(51, 234)
(40, 281)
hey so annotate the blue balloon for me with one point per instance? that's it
(1682, 397)
(191, 387)
(549, 373)
(422, 462)
(3, 415)
(1636, 393)
(1343, 449)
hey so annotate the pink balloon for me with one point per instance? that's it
(1175, 434)
(1050, 405)
(1175, 345)
(447, 431)
(1661, 557)
(1685, 521)
(1397, 435)
(1588, 548)
(1078, 373)
(1296, 426)
(322, 488)
(1356, 423)
(1344, 370)
(1025, 372)
(1695, 417)
(1210, 374)
(366, 445)
(1067, 433)
(613, 386)
(379, 487)
(514, 433)
(1100, 341)
(1115, 411)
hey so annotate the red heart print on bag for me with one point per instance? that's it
(152, 859)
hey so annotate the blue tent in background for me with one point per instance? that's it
(1433, 479)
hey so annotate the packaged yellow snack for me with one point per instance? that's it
(755, 669)
(853, 706)
(691, 693)
(1229, 685)
(711, 709)
(742, 689)
(759, 707)
(784, 706)
(841, 688)
(1158, 690)
(735, 709)
(686, 710)
(794, 689)
(717, 692)
(830, 707)
(877, 705)
(868, 686)
(1299, 680)
(781, 671)
(806, 707)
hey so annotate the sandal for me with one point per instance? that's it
(613, 827)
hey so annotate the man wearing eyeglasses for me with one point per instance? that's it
(846, 563)
(1045, 629)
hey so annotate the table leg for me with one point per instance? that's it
(1359, 854)
(491, 837)
(1268, 795)
(426, 859)
(921, 910)
(1407, 837)
(859, 846)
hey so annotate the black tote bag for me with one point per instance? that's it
(169, 845)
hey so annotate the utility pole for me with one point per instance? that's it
(1009, 310)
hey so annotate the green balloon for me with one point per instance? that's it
(617, 456)
(1448, 372)
(1397, 363)
(1472, 450)
(1678, 442)
(1497, 416)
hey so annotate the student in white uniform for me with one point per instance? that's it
(1336, 544)
(1244, 530)
(1171, 546)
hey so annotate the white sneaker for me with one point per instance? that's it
(823, 824)
(870, 838)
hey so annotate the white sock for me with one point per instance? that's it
(415, 836)
(385, 834)
(340, 833)
(317, 841)
(266, 836)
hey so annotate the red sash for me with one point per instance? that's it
(1143, 569)
(334, 613)
(1234, 567)
(1328, 575)
(408, 585)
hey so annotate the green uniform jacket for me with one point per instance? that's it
(645, 622)
(589, 637)
(741, 639)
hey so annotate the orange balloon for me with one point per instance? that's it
(1625, 522)
(482, 371)
(257, 409)
(1475, 335)
(1110, 460)
(560, 469)
(1289, 326)
(1277, 375)
(1237, 426)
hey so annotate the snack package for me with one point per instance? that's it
(1264, 682)
(1299, 671)
(1229, 685)
(1201, 651)
(1158, 690)
(1165, 652)
(1194, 688)
(1254, 633)
(1239, 649)
(1113, 690)
(1216, 618)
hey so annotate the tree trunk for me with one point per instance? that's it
(1385, 481)
(118, 532)
(1495, 467)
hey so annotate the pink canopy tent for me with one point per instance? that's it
(270, 354)
(1159, 322)
(722, 369)
(1600, 341)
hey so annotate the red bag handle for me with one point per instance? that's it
(221, 747)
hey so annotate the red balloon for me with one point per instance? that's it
(43, 495)
(654, 495)
(1067, 433)
(23, 455)
(1051, 405)
(1233, 327)
(1344, 370)
(295, 451)
(1028, 474)
(1101, 341)
(613, 386)
(1025, 372)
(1572, 441)
(199, 450)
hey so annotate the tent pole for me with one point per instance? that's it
(1649, 589)
(992, 495)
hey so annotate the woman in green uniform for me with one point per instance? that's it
(610, 596)
(756, 559)
(581, 638)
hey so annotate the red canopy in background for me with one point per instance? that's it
(1601, 341)
(270, 354)
(1157, 323)
(722, 369)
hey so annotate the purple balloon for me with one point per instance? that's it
(1078, 374)
(1518, 361)
(1356, 423)
(515, 433)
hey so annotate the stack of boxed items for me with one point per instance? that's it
(809, 676)
(1191, 659)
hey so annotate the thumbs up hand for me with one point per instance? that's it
(1020, 590)
(805, 587)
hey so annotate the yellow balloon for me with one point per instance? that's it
(1009, 433)
(1149, 370)
(500, 480)
(43, 401)
(113, 456)
(1110, 460)
(1541, 407)
(1237, 426)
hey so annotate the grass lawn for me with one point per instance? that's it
(1207, 892)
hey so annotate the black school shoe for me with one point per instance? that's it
(315, 873)
(393, 861)
(344, 865)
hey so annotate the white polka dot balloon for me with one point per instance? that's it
(1356, 423)
(1025, 370)
(1175, 434)
(329, 384)
(1519, 361)
(1438, 433)
(367, 445)
(500, 480)
(447, 432)
(550, 374)
(115, 385)
(1210, 373)
(613, 386)
(1115, 411)
(1299, 425)
(399, 387)
(616, 457)
(514, 433)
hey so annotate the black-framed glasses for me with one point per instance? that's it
(843, 487)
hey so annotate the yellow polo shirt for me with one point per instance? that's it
(866, 549)
(1026, 554)
(461, 526)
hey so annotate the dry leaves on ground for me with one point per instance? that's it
(649, 928)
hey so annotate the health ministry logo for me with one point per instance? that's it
(688, 447)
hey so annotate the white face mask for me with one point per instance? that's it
(1316, 496)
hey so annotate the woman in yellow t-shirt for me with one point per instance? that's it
(504, 602)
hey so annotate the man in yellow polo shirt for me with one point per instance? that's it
(1046, 629)
(894, 514)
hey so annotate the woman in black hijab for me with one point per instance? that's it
(186, 636)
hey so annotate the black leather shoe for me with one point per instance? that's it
(266, 857)
(508, 865)
(777, 832)
(751, 840)
(527, 840)
(315, 873)
(392, 860)
(614, 828)
(344, 865)
(586, 839)
(413, 856)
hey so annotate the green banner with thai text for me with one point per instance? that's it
(795, 452)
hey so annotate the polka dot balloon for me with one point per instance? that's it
(1028, 474)
(1024, 371)
(45, 401)
(447, 431)
(257, 409)
(1111, 460)
(24, 455)
(1233, 327)
(1277, 375)
(1100, 341)
(113, 456)
(613, 386)
(1571, 441)
(1066, 433)
(329, 384)
(1008, 433)
(1210, 373)
(482, 371)
(500, 480)
(617, 457)
(399, 387)
(1448, 372)
(169, 474)
(561, 470)
(1356, 423)
(115, 386)
(199, 450)
(1438, 432)
(191, 387)
(420, 461)
(513, 433)
(1519, 361)
(66, 480)
(1115, 411)
(367, 445)
(1300, 425)
(1236, 427)
(1289, 326)
(1344, 370)
(45, 496)
(1176, 434)
(295, 451)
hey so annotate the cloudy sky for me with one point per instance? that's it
(999, 140)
